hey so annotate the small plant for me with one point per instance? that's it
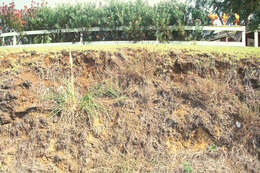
(105, 89)
(90, 104)
(64, 100)
(67, 101)
(187, 167)
(213, 147)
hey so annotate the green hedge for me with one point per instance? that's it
(133, 15)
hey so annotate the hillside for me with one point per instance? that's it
(142, 108)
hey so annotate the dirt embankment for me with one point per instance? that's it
(130, 110)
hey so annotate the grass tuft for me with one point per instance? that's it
(106, 89)
(67, 101)
(64, 100)
(90, 104)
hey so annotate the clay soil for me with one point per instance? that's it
(144, 111)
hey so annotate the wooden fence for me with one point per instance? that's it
(241, 29)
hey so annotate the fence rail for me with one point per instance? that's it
(241, 29)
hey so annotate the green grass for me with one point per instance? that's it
(67, 102)
(236, 52)
(64, 99)
(90, 104)
(106, 89)
(187, 168)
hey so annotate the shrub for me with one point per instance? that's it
(134, 16)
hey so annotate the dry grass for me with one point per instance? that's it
(151, 116)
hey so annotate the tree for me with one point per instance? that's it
(248, 10)
(245, 9)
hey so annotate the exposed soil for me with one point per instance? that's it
(174, 112)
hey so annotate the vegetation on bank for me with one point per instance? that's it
(148, 108)
(234, 52)
(133, 15)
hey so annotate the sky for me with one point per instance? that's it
(19, 4)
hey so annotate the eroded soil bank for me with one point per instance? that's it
(129, 110)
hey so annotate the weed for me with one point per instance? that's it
(90, 104)
(105, 89)
(213, 147)
(64, 99)
(187, 167)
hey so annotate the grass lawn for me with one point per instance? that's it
(236, 52)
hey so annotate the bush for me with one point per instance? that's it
(134, 16)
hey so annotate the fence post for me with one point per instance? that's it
(256, 38)
(14, 40)
(81, 38)
(157, 32)
(244, 36)
(3, 41)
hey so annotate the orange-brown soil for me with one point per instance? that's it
(173, 112)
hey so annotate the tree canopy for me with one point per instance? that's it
(248, 10)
